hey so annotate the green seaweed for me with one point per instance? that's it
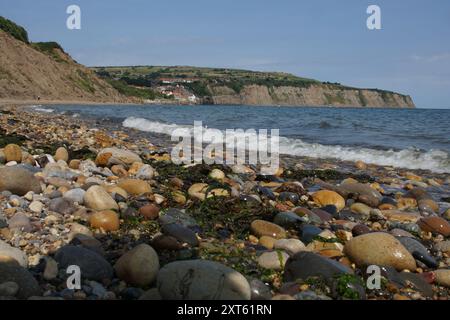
(345, 286)
(232, 214)
(326, 175)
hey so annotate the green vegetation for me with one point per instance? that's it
(53, 49)
(362, 98)
(346, 286)
(202, 81)
(335, 99)
(13, 29)
(200, 89)
(131, 91)
(84, 82)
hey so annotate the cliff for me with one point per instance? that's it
(236, 87)
(29, 70)
(313, 95)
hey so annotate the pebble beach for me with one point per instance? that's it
(110, 201)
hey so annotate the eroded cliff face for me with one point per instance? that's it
(26, 73)
(314, 95)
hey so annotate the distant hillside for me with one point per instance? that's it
(29, 70)
(230, 86)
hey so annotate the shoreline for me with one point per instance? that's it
(7, 102)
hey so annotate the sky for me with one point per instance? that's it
(326, 40)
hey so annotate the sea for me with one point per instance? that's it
(404, 138)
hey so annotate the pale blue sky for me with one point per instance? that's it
(322, 39)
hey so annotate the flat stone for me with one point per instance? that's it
(28, 286)
(173, 215)
(288, 219)
(267, 242)
(9, 289)
(305, 264)
(443, 246)
(51, 269)
(20, 222)
(291, 246)
(309, 232)
(9, 251)
(418, 251)
(401, 216)
(180, 233)
(93, 266)
(36, 206)
(62, 206)
(107, 220)
(139, 266)
(149, 211)
(13, 153)
(274, 260)
(264, 228)
(146, 172)
(98, 199)
(380, 249)
(135, 186)
(360, 208)
(201, 280)
(18, 181)
(327, 197)
(111, 156)
(443, 277)
(435, 225)
(75, 195)
(61, 154)
(88, 242)
(363, 192)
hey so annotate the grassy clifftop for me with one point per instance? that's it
(234, 86)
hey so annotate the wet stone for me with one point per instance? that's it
(180, 233)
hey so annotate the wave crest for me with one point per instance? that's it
(411, 158)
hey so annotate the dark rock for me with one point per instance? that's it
(418, 251)
(304, 264)
(28, 286)
(289, 196)
(288, 220)
(93, 266)
(180, 233)
(360, 229)
(309, 232)
(259, 290)
(61, 205)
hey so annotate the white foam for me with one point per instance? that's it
(434, 160)
(40, 108)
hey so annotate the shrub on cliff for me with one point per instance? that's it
(13, 29)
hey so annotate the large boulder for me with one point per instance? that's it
(8, 252)
(98, 199)
(138, 266)
(18, 180)
(93, 266)
(111, 156)
(201, 280)
(380, 249)
(306, 264)
(12, 272)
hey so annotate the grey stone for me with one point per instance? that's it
(93, 266)
(304, 264)
(201, 280)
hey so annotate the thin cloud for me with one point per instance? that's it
(441, 57)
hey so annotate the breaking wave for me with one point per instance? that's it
(39, 108)
(411, 158)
